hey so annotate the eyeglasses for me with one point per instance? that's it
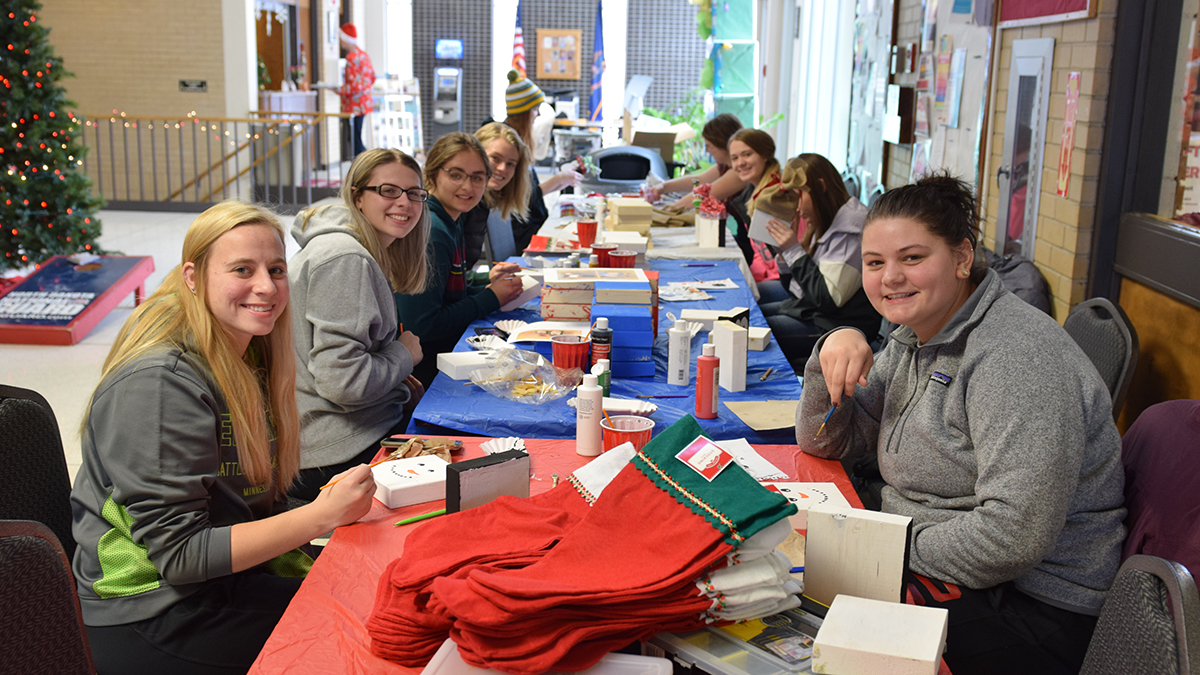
(458, 177)
(389, 191)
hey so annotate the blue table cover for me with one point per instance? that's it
(467, 409)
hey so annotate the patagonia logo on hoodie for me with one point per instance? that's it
(940, 378)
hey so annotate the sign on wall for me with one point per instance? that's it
(1015, 13)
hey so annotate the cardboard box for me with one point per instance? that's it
(863, 637)
(664, 141)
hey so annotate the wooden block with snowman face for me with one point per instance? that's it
(412, 480)
(804, 495)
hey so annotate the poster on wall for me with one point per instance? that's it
(1067, 144)
(945, 47)
(1015, 13)
(558, 54)
(920, 160)
(929, 27)
(922, 125)
(925, 73)
(954, 87)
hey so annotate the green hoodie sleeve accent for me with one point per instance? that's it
(125, 565)
(294, 563)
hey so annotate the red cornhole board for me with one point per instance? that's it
(62, 302)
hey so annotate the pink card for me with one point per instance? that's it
(707, 458)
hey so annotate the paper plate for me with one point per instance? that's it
(624, 406)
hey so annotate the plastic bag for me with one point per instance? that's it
(526, 377)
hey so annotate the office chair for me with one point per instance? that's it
(1108, 338)
(41, 622)
(499, 244)
(37, 483)
(1150, 623)
(851, 182)
(875, 194)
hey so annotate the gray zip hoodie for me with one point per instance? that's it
(350, 369)
(997, 438)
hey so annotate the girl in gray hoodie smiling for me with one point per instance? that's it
(354, 362)
(993, 432)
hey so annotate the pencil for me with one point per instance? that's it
(423, 516)
(766, 374)
(826, 420)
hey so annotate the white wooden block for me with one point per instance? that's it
(759, 338)
(867, 637)
(530, 289)
(731, 340)
(807, 495)
(458, 365)
(855, 552)
(708, 232)
(707, 317)
(410, 481)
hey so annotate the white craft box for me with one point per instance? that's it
(867, 637)
(414, 480)
(458, 365)
(708, 232)
(731, 340)
(757, 338)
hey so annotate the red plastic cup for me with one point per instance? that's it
(621, 258)
(586, 231)
(570, 351)
(623, 428)
(601, 252)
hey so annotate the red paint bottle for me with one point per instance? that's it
(708, 371)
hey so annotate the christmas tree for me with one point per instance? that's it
(46, 206)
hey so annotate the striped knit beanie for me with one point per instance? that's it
(522, 94)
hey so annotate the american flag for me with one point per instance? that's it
(518, 62)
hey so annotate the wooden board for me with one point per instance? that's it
(856, 552)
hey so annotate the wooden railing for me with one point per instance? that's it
(286, 160)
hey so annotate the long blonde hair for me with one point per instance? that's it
(512, 199)
(174, 317)
(402, 262)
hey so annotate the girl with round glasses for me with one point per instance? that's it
(456, 175)
(508, 190)
(354, 364)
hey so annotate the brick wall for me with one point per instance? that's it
(131, 56)
(1064, 229)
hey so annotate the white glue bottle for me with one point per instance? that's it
(679, 354)
(588, 411)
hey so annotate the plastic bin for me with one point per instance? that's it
(448, 662)
(715, 652)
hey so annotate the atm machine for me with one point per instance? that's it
(447, 91)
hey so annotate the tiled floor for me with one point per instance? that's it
(66, 376)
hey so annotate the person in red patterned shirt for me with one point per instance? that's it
(356, 85)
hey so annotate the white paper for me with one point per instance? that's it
(749, 459)
(758, 227)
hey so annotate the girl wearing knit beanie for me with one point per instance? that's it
(522, 98)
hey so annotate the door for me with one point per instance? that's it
(1019, 176)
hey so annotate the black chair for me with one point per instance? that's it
(1150, 623)
(499, 244)
(875, 194)
(37, 483)
(39, 608)
(1106, 335)
(623, 169)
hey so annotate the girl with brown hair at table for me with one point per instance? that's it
(456, 175)
(354, 372)
(187, 554)
(726, 184)
(992, 431)
(508, 189)
(822, 249)
(752, 158)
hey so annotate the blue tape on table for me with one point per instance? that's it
(467, 409)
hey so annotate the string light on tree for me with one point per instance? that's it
(46, 206)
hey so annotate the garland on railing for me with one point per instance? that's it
(46, 203)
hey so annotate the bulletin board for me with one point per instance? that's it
(558, 54)
(1015, 13)
(952, 98)
(868, 91)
